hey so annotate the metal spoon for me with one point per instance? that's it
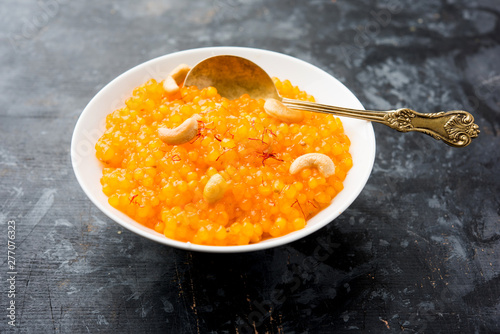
(234, 76)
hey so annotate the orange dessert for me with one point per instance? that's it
(237, 180)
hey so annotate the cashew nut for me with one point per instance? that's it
(215, 188)
(181, 134)
(170, 86)
(175, 78)
(278, 110)
(179, 73)
(321, 161)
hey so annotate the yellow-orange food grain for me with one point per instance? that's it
(161, 186)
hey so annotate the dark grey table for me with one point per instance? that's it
(417, 252)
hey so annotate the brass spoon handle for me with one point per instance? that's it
(455, 128)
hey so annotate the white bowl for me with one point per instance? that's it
(324, 87)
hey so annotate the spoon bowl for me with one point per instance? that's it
(233, 76)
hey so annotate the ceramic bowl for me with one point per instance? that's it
(324, 87)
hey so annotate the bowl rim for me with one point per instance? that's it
(150, 234)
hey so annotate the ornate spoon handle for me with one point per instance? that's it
(455, 128)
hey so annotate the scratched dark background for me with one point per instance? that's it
(417, 252)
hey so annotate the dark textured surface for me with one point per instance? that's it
(417, 252)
